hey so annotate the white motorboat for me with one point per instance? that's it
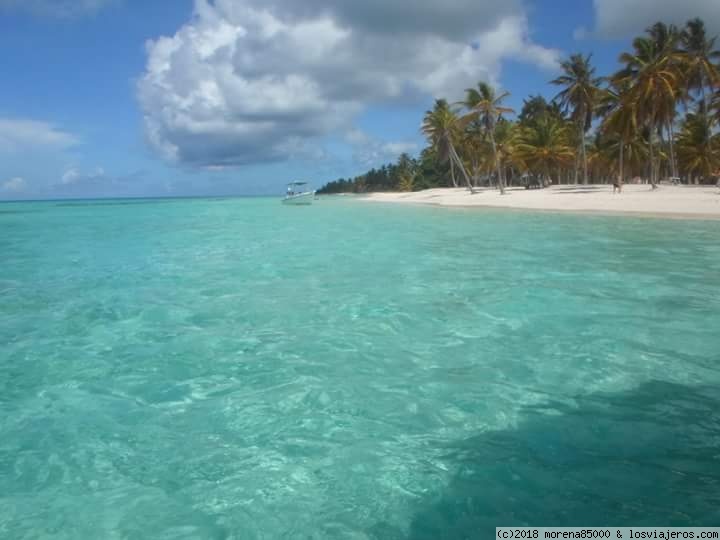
(297, 194)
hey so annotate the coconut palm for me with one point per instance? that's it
(667, 40)
(715, 104)
(485, 105)
(602, 154)
(652, 84)
(621, 157)
(535, 107)
(544, 147)
(405, 171)
(442, 128)
(476, 151)
(619, 121)
(700, 58)
(581, 88)
(407, 181)
(698, 147)
(505, 137)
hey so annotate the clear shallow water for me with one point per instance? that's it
(238, 369)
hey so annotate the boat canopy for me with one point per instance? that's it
(297, 184)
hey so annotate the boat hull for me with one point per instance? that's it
(300, 199)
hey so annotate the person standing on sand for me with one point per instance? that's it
(618, 185)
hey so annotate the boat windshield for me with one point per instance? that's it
(295, 188)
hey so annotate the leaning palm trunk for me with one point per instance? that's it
(584, 156)
(653, 169)
(498, 166)
(653, 130)
(576, 171)
(702, 92)
(583, 153)
(452, 172)
(454, 156)
(476, 173)
(671, 137)
(621, 171)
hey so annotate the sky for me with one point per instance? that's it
(137, 98)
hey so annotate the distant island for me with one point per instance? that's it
(655, 119)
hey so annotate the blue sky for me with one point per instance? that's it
(108, 98)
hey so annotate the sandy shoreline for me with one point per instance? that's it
(680, 202)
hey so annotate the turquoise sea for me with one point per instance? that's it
(236, 369)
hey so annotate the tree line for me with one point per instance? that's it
(656, 118)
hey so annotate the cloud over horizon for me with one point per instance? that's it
(370, 152)
(57, 8)
(624, 18)
(14, 185)
(97, 182)
(248, 81)
(20, 134)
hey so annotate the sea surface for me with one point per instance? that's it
(237, 369)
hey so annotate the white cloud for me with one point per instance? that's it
(56, 8)
(70, 176)
(97, 182)
(74, 176)
(248, 81)
(24, 134)
(622, 18)
(370, 152)
(14, 185)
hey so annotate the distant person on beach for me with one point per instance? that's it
(618, 185)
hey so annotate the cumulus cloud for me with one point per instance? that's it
(14, 185)
(97, 182)
(23, 134)
(249, 81)
(76, 176)
(370, 152)
(622, 18)
(56, 8)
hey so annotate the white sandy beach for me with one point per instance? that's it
(690, 202)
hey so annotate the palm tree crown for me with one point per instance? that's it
(485, 105)
(698, 146)
(701, 56)
(581, 88)
(442, 127)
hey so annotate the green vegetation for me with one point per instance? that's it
(657, 117)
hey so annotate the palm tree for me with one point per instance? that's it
(442, 127)
(667, 39)
(619, 120)
(535, 107)
(404, 172)
(544, 147)
(617, 155)
(579, 97)
(486, 106)
(602, 154)
(700, 52)
(407, 181)
(698, 146)
(429, 174)
(715, 104)
(475, 148)
(653, 84)
(505, 136)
